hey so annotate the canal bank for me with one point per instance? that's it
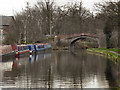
(112, 54)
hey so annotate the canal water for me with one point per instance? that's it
(59, 69)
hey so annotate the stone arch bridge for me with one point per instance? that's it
(71, 39)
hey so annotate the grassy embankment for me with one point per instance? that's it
(110, 53)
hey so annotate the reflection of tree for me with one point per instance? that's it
(15, 73)
(77, 55)
(72, 64)
(109, 75)
(49, 78)
(83, 58)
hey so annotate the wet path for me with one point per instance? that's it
(59, 69)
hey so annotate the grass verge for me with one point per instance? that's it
(106, 52)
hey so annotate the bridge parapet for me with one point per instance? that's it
(75, 35)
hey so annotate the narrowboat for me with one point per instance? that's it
(7, 50)
(22, 49)
(47, 46)
(39, 47)
(31, 48)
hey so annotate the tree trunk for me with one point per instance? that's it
(108, 36)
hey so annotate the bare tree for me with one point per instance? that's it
(108, 11)
(44, 18)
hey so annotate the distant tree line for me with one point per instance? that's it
(45, 18)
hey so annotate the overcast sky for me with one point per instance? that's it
(10, 7)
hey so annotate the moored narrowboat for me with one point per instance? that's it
(7, 50)
(39, 47)
(31, 48)
(47, 46)
(22, 49)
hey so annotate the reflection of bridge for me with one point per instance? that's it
(71, 39)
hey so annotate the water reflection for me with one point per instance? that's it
(112, 73)
(59, 70)
(82, 70)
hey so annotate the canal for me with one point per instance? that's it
(59, 69)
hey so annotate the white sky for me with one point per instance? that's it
(10, 7)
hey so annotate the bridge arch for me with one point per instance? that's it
(84, 38)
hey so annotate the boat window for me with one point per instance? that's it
(25, 47)
(18, 48)
(41, 46)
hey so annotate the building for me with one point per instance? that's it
(5, 23)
